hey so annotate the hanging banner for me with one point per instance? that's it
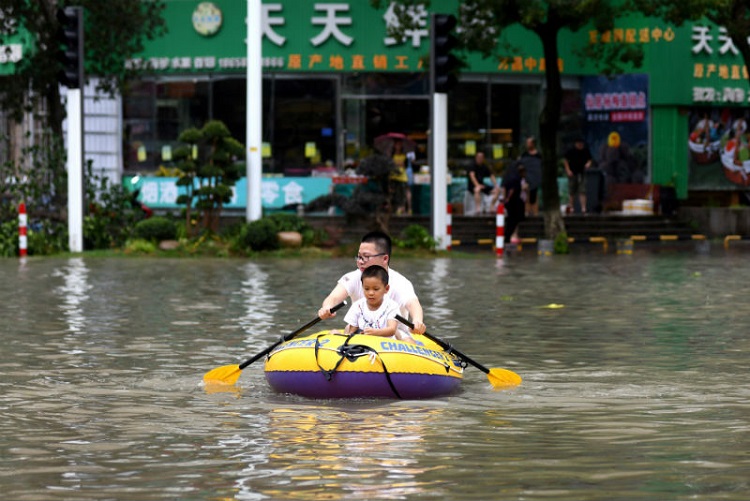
(616, 126)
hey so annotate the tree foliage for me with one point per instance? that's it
(207, 160)
(115, 30)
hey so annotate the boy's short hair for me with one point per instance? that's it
(375, 271)
(381, 240)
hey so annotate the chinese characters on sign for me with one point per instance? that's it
(525, 64)
(724, 95)
(156, 193)
(615, 106)
(162, 192)
(632, 35)
(708, 44)
(332, 25)
(704, 41)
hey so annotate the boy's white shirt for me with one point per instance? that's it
(361, 316)
(401, 290)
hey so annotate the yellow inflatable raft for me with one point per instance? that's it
(330, 364)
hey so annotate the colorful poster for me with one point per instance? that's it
(719, 149)
(616, 126)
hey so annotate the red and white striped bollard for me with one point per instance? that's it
(22, 222)
(500, 230)
(449, 227)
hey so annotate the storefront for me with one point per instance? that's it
(333, 81)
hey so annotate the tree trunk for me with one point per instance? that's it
(549, 122)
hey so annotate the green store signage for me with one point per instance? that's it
(300, 37)
(692, 64)
(700, 67)
(695, 64)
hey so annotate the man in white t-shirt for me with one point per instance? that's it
(375, 248)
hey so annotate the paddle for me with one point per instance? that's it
(229, 374)
(498, 377)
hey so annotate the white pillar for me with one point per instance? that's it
(254, 113)
(75, 169)
(440, 169)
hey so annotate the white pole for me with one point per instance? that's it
(254, 112)
(75, 170)
(440, 169)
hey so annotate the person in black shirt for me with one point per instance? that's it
(514, 197)
(532, 160)
(577, 159)
(478, 172)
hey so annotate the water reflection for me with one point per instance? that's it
(436, 291)
(257, 300)
(336, 453)
(73, 292)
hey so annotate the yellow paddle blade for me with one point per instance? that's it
(226, 374)
(503, 378)
(213, 388)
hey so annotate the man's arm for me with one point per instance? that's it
(416, 315)
(337, 295)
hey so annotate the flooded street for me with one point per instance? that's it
(635, 382)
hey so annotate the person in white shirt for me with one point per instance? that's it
(375, 249)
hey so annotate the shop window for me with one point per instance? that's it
(154, 115)
(228, 104)
(300, 124)
(467, 118)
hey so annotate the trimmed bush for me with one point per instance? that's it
(259, 235)
(155, 229)
(262, 235)
(416, 236)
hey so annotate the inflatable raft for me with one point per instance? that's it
(333, 365)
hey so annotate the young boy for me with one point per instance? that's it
(375, 314)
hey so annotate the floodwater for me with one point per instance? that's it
(635, 382)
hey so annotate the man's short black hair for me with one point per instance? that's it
(375, 271)
(381, 240)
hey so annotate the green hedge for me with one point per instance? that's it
(156, 229)
(261, 235)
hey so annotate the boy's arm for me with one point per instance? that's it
(387, 331)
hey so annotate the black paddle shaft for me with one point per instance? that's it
(446, 346)
(289, 336)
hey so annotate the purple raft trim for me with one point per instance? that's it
(361, 384)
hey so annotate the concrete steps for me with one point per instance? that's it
(473, 231)
(468, 231)
(614, 227)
